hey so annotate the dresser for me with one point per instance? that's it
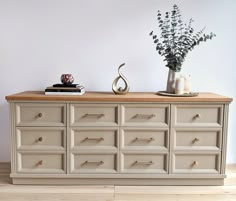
(103, 138)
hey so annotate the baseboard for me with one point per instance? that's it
(5, 168)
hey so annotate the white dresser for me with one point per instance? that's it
(133, 139)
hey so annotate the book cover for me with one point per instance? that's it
(75, 90)
(66, 86)
(64, 93)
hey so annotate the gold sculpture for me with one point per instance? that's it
(120, 90)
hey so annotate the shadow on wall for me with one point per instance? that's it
(4, 133)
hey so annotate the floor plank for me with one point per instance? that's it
(55, 197)
(172, 197)
(176, 190)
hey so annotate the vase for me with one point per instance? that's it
(67, 79)
(170, 86)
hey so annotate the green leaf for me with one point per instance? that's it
(156, 41)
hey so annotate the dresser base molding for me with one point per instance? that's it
(119, 179)
(121, 182)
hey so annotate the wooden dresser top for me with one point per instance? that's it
(111, 97)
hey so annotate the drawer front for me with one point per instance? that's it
(41, 114)
(144, 163)
(145, 139)
(40, 163)
(196, 163)
(207, 139)
(145, 115)
(198, 115)
(40, 138)
(93, 115)
(94, 138)
(94, 163)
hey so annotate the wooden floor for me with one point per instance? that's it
(9, 192)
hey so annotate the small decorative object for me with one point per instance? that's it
(120, 90)
(67, 79)
(179, 85)
(187, 84)
(176, 40)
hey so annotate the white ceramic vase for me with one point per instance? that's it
(170, 85)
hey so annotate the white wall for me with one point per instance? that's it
(41, 39)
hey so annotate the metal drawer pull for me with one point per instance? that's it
(143, 163)
(93, 162)
(40, 139)
(144, 139)
(95, 139)
(197, 116)
(195, 140)
(98, 116)
(195, 163)
(40, 163)
(144, 116)
(39, 115)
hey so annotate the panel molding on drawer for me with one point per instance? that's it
(94, 163)
(145, 115)
(144, 138)
(40, 114)
(197, 139)
(196, 163)
(93, 138)
(199, 115)
(94, 115)
(41, 138)
(41, 162)
(144, 163)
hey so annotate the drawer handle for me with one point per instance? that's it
(195, 163)
(144, 139)
(40, 163)
(143, 163)
(39, 115)
(195, 140)
(93, 162)
(197, 116)
(40, 139)
(98, 116)
(95, 139)
(144, 116)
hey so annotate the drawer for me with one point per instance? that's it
(93, 163)
(41, 163)
(40, 114)
(144, 163)
(40, 138)
(196, 163)
(145, 115)
(198, 115)
(207, 139)
(93, 138)
(145, 139)
(93, 115)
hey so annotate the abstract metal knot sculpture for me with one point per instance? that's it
(120, 90)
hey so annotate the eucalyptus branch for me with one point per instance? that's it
(176, 38)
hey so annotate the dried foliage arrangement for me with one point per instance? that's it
(177, 38)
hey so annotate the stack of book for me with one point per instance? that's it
(61, 89)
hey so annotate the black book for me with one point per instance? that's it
(74, 90)
(63, 85)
